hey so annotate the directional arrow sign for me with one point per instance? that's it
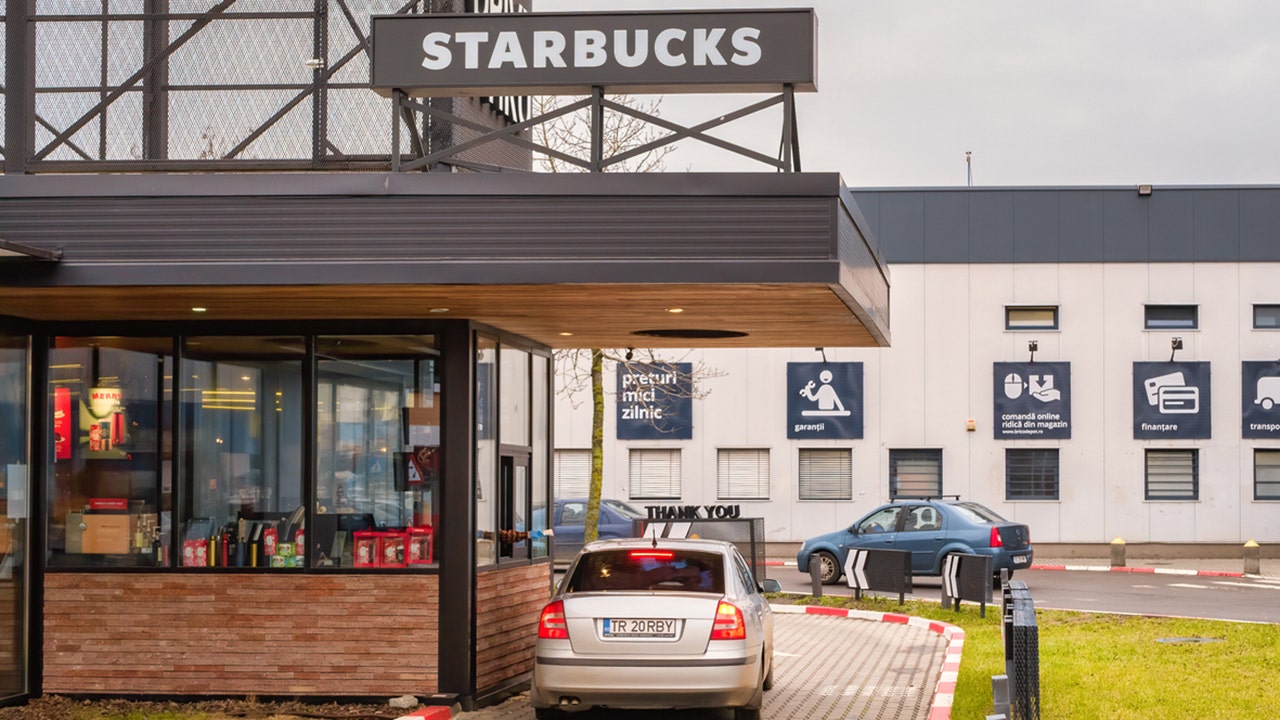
(855, 569)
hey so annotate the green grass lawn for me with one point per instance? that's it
(1113, 667)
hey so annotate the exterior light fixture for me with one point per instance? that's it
(629, 354)
(1144, 190)
(439, 310)
(1175, 345)
(199, 309)
(675, 310)
(824, 353)
(1032, 347)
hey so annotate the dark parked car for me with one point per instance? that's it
(570, 520)
(930, 529)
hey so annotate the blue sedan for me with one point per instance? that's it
(930, 530)
(570, 520)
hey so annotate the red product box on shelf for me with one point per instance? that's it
(419, 550)
(391, 549)
(365, 550)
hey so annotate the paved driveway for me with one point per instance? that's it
(826, 667)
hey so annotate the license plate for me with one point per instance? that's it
(639, 628)
(1019, 559)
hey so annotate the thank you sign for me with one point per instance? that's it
(570, 53)
(1171, 400)
(1032, 401)
(655, 401)
(824, 400)
(1261, 401)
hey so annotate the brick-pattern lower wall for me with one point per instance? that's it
(241, 634)
(508, 603)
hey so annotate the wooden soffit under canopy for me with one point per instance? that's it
(605, 260)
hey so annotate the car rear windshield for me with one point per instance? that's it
(648, 569)
(978, 513)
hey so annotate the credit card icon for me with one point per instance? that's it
(1178, 400)
(1153, 385)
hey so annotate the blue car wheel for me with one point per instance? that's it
(828, 567)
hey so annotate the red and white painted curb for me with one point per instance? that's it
(945, 691)
(430, 712)
(1155, 571)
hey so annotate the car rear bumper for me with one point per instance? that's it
(630, 682)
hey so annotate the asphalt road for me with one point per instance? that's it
(1220, 598)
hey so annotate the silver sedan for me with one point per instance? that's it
(654, 624)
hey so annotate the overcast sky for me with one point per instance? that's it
(1068, 92)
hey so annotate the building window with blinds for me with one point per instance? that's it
(742, 474)
(1031, 474)
(573, 473)
(915, 473)
(1173, 475)
(826, 474)
(1266, 474)
(654, 475)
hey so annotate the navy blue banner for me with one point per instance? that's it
(1261, 402)
(1032, 401)
(824, 400)
(1171, 400)
(655, 401)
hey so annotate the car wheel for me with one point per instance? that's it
(828, 568)
(768, 678)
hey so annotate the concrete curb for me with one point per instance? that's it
(945, 691)
(1155, 571)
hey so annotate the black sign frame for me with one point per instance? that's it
(1031, 401)
(1172, 400)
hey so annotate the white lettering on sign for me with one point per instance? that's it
(672, 47)
(640, 392)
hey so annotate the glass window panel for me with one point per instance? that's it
(1266, 474)
(915, 473)
(539, 462)
(1031, 318)
(1266, 317)
(742, 474)
(108, 486)
(1031, 474)
(1171, 317)
(826, 474)
(241, 462)
(14, 494)
(486, 451)
(378, 452)
(514, 391)
(1173, 475)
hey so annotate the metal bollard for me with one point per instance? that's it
(1252, 561)
(815, 576)
(1000, 696)
(1117, 552)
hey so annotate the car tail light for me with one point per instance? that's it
(729, 623)
(996, 540)
(551, 626)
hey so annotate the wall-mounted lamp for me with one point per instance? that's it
(824, 353)
(630, 354)
(1144, 190)
(1032, 347)
(1174, 345)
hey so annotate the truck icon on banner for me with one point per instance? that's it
(1268, 392)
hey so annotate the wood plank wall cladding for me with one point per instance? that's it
(239, 634)
(508, 603)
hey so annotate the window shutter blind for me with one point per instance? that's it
(826, 474)
(742, 475)
(655, 474)
(573, 473)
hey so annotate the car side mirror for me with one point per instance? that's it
(770, 586)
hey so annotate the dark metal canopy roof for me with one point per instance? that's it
(599, 260)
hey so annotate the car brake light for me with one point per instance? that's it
(657, 554)
(551, 626)
(996, 540)
(729, 624)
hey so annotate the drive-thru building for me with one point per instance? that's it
(276, 408)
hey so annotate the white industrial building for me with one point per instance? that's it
(1154, 315)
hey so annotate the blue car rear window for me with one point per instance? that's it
(644, 569)
(977, 513)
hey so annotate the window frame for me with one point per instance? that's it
(1258, 452)
(1011, 326)
(1274, 308)
(1032, 456)
(761, 459)
(1154, 323)
(898, 455)
(809, 493)
(1194, 456)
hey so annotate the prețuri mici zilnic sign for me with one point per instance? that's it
(824, 400)
(570, 53)
(655, 401)
(1032, 400)
(1261, 401)
(1171, 400)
